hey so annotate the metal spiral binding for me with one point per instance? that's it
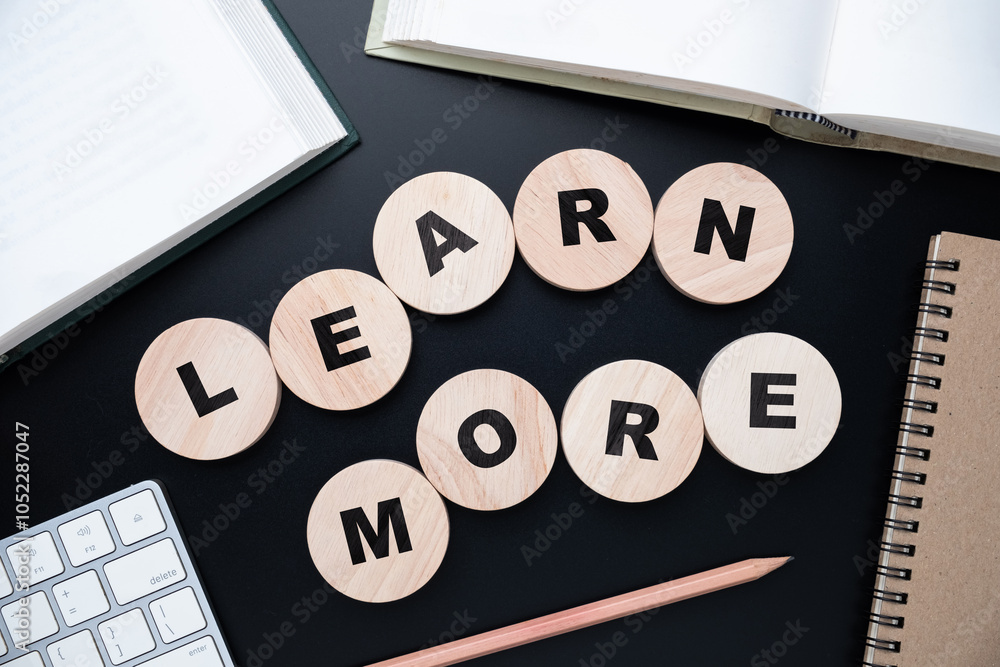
(912, 427)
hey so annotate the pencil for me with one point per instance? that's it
(588, 614)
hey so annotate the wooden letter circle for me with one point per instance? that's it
(589, 264)
(369, 341)
(715, 277)
(634, 475)
(755, 416)
(487, 439)
(413, 536)
(214, 367)
(463, 218)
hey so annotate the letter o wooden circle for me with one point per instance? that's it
(771, 402)
(206, 389)
(590, 255)
(614, 406)
(447, 213)
(340, 339)
(739, 261)
(377, 531)
(487, 439)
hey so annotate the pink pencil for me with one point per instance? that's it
(588, 614)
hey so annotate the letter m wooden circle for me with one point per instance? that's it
(377, 531)
(723, 233)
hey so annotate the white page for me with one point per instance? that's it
(118, 120)
(775, 48)
(935, 63)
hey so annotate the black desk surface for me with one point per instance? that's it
(851, 297)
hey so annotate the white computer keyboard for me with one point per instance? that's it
(107, 584)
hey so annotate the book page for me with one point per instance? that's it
(125, 123)
(934, 63)
(772, 48)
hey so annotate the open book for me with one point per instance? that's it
(914, 70)
(127, 128)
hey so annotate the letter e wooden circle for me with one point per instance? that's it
(632, 430)
(206, 389)
(340, 339)
(583, 219)
(487, 439)
(444, 243)
(377, 531)
(723, 233)
(771, 402)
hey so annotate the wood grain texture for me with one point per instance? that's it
(714, 277)
(590, 265)
(225, 356)
(466, 278)
(676, 438)
(587, 615)
(503, 484)
(395, 575)
(725, 396)
(383, 329)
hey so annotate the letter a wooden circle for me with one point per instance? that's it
(612, 406)
(340, 339)
(487, 439)
(582, 262)
(377, 531)
(771, 402)
(742, 203)
(444, 243)
(206, 389)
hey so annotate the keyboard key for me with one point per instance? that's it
(86, 538)
(144, 571)
(126, 636)
(200, 653)
(177, 615)
(137, 517)
(5, 586)
(32, 621)
(37, 553)
(3, 646)
(33, 659)
(81, 598)
(75, 651)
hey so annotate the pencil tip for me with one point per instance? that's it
(790, 559)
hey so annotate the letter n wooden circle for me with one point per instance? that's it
(771, 402)
(487, 439)
(723, 233)
(206, 389)
(583, 219)
(377, 531)
(443, 242)
(632, 430)
(340, 339)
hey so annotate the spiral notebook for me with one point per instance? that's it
(937, 592)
